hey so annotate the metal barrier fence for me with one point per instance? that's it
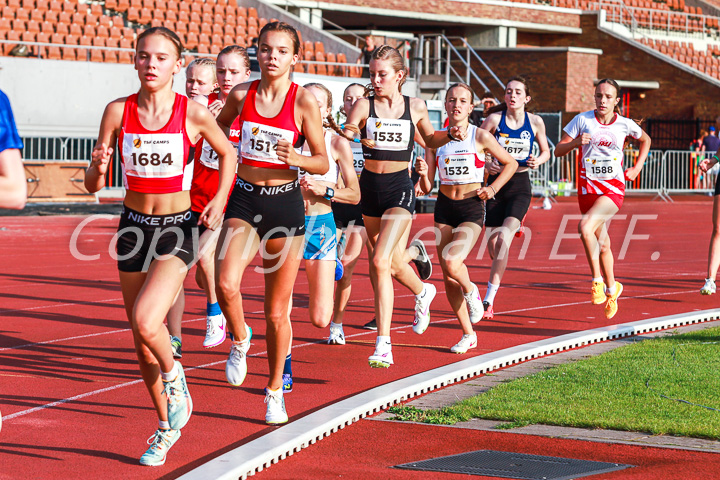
(665, 172)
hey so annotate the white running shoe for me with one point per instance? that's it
(709, 287)
(236, 366)
(466, 343)
(160, 442)
(474, 304)
(276, 413)
(337, 335)
(422, 308)
(216, 331)
(382, 357)
(179, 402)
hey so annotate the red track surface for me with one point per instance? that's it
(64, 336)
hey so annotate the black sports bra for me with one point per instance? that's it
(394, 138)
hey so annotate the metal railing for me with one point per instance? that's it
(436, 53)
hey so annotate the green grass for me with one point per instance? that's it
(622, 390)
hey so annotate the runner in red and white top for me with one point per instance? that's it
(601, 134)
(200, 82)
(266, 206)
(154, 130)
(232, 68)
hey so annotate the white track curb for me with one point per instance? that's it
(262, 452)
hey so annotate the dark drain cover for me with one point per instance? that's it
(513, 465)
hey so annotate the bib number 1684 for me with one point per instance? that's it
(144, 159)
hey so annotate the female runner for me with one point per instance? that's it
(714, 251)
(601, 134)
(386, 122)
(516, 130)
(200, 82)
(232, 68)
(276, 116)
(460, 207)
(157, 236)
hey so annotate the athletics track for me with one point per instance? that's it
(73, 404)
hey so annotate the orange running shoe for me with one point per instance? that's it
(611, 306)
(597, 294)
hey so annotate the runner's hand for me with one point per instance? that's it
(286, 153)
(101, 156)
(215, 107)
(421, 167)
(493, 167)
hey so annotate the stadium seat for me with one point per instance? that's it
(149, 4)
(204, 49)
(102, 31)
(240, 40)
(228, 40)
(181, 27)
(123, 5)
(192, 40)
(125, 57)
(22, 14)
(183, 17)
(55, 6)
(89, 30)
(69, 54)
(11, 36)
(215, 48)
(133, 14)
(53, 53)
(252, 12)
(111, 56)
(206, 28)
(145, 16)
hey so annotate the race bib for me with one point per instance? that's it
(259, 142)
(602, 168)
(518, 148)
(459, 168)
(153, 155)
(393, 135)
(358, 160)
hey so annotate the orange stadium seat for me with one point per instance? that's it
(55, 6)
(62, 28)
(89, 31)
(150, 4)
(217, 29)
(240, 40)
(252, 12)
(51, 17)
(172, 5)
(111, 56)
(37, 15)
(102, 31)
(228, 40)
(262, 22)
(157, 23)
(133, 14)
(69, 7)
(181, 27)
(341, 58)
(252, 22)
(192, 40)
(125, 57)
(57, 38)
(184, 7)
(196, 8)
(207, 9)
(206, 28)
(96, 9)
(332, 69)
(240, 11)
(22, 14)
(123, 5)
(5, 24)
(112, 42)
(319, 47)
(53, 53)
(204, 49)
(215, 48)
(183, 17)
(252, 32)
(47, 27)
(171, 16)
(11, 36)
(115, 32)
(145, 16)
(14, 4)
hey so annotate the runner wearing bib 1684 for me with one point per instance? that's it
(601, 134)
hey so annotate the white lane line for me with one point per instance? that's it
(219, 362)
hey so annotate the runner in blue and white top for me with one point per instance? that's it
(460, 207)
(517, 131)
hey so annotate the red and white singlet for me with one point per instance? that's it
(458, 163)
(601, 169)
(206, 176)
(259, 135)
(155, 161)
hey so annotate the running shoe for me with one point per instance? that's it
(179, 403)
(382, 357)
(709, 287)
(276, 413)
(339, 270)
(597, 294)
(466, 343)
(337, 335)
(422, 261)
(176, 345)
(216, 331)
(287, 383)
(160, 442)
(474, 304)
(488, 314)
(371, 325)
(611, 307)
(422, 309)
(236, 366)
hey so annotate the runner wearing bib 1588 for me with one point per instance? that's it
(516, 130)
(601, 135)
(460, 207)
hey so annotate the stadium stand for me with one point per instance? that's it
(113, 25)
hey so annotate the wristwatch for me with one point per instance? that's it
(329, 193)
